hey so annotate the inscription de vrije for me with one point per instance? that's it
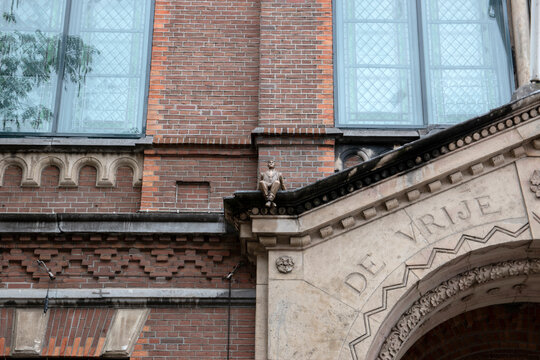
(447, 216)
(434, 225)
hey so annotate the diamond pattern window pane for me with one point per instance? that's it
(381, 79)
(104, 106)
(376, 10)
(381, 96)
(379, 44)
(29, 39)
(466, 66)
(31, 15)
(119, 15)
(377, 79)
(459, 10)
(111, 99)
(459, 44)
(462, 94)
(89, 80)
(116, 55)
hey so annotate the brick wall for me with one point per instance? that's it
(508, 331)
(197, 334)
(204, 69)
(301, 161)
(222, 69)
(95, 261)
(296, 84)
(232, 84)
(86, 198)
(224, 170)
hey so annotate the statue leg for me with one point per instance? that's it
(267, 194)
(273, 190)
(264, 188)
(272, 193)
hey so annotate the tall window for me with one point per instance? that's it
(73, 67)
(407, 63)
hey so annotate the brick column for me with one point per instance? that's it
(296, 89)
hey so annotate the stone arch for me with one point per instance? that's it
(428, 267)
(497, 274)
(503, 331)
(42, 164)
(16, 161)
(132, 164)
(102, 178)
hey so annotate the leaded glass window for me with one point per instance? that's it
(73, 67)
(405, 63)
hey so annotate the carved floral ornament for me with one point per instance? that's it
(285, 264)
(415, 315)
(535, 183)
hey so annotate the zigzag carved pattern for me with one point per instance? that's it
(427, 265)
(536, 217)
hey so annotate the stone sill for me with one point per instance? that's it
(73, 144)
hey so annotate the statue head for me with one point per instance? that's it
(271, 164)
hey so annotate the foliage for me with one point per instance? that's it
(28, 61)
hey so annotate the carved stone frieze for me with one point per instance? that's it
(434, 298)
(70, 164)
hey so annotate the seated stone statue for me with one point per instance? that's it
(271, 181)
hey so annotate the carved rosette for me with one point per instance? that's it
(448, 289)
(284, 264)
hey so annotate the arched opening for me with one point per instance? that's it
(503, 277)
(506, 331)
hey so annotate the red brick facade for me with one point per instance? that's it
(220, 70)
(197, 334)
(232, 84)
(51, 198)
(121, 261)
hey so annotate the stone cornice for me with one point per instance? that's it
(411, 156)
(472, 155)
(386, 197)
(74, 144)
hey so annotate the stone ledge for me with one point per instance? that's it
(134, 297)
(140, 223)
(74, 144)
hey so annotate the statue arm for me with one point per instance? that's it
(282, 183)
